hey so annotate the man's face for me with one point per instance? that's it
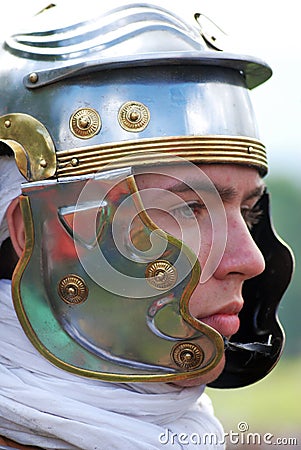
(210, 208)
(218, 300)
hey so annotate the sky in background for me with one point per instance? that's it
(263, 28)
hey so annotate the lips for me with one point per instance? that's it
(225, 321)
(225, 324)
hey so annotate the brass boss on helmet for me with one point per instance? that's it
(82, 106)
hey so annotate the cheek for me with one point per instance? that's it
(200, 241)
(206, 297)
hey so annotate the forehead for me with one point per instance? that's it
(225, 175)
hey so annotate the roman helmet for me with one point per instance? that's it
(100, 289)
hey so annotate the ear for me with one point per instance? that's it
(16, 226)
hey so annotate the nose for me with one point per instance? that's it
(241, 256)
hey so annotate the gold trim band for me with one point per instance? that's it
(197, 149)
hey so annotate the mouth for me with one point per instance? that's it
(225, 324)
(226, 320)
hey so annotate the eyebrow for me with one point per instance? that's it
(226, 193)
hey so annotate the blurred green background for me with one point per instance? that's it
(273, 405)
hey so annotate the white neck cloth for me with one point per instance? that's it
(45, 406)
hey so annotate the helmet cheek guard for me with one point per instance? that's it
(82, 121)
(96, 310)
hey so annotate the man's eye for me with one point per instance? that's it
(187, 211)
(252, 216)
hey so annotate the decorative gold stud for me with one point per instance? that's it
(187, 356)
(43, 163)
(73, 290)
(161, 274)
(133, 116)
(74, 162)
(85, 123)
(33, 77)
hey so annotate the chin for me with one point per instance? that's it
(206, 378)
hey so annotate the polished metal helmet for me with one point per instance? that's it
(83, 105)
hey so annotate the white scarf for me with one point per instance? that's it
(45, 406)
